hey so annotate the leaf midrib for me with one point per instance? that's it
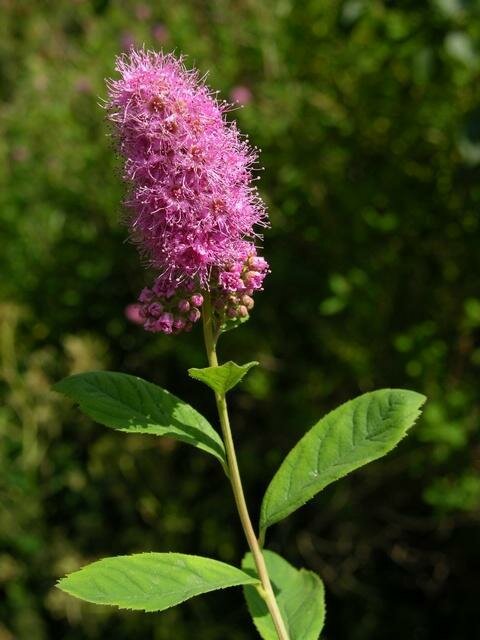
(295, 497)
(122, 403)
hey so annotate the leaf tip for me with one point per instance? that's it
(415, 400)
(415, 396)
(64, 584)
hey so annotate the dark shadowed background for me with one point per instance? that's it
(368, 116)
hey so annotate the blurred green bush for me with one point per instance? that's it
(368, 115)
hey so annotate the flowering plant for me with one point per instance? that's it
(193, 210)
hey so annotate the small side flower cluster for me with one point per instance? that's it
(192, 206)
(232, 296)
(169, 310)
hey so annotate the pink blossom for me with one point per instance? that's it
(254, 279)
(258, 263)
(168, 310)
(192, 206)
(230, 281)
(164, 323)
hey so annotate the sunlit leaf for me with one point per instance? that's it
(151, 581)
(299, 594)
(130, 404)
(352, 435)
(223, 378)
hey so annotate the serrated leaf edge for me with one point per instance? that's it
(244, 367)
(251, 581)
(415, 413)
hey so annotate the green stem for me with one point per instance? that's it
(266, 590)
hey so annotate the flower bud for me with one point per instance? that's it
(194, 315)
(179, 324)
(164, 323)
(155, 309)
(197, 300)
(146, 295)
(248, 302)
(150, 324)
(184, 306)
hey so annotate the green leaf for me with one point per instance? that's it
(151, 581)
(352, 435)
(130, 404)
(223, 378)
(300, 597)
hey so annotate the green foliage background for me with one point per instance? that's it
(368, 116)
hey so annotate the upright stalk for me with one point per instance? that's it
(266, 590)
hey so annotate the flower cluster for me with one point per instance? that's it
(169, 310)
(235, 286)
(192, 207)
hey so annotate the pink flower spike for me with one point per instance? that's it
(192, 204)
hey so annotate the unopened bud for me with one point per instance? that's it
(155, 309)
(248, 302)
(197, 300)
(179, 324)
(146, 295)
(194, 315)
(184, 306)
